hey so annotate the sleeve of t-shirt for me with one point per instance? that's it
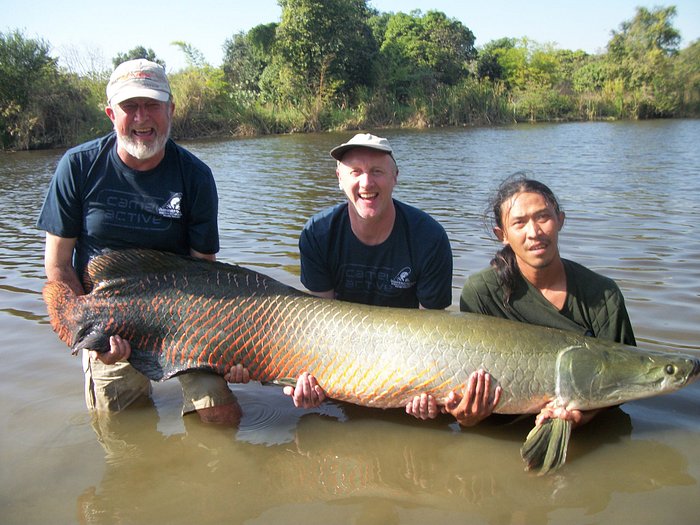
(481, 295)
(435, 285)
(475, 297)
(468, 300)
(203, 227)
(62, 211)
(315, 272)
(614, 321)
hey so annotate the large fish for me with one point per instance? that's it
(181, 314)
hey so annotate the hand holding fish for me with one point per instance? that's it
(119, 350)
(469, 408)
(577, 417)
(237, 374)
(476, 403)
(423, 406)
(307, 393)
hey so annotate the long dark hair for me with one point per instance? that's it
(504, 261)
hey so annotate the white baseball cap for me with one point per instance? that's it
(138, 78)
(362, 140)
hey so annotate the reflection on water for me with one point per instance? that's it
(630, 193)
(361, 462)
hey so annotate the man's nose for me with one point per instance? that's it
(141, 112)
(533, 229)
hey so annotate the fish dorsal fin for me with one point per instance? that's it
(117, 267)
(111, 264)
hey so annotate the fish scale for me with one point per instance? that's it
(182, 314)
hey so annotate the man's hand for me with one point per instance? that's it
(119, 350)
(307, 393)
(578, 417)
(473, 405)
(476, 403)
(237, 374)
(423, 406)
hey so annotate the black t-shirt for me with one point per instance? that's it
(97, 199)
(414, 264)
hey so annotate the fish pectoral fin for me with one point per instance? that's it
(546, 445)
(147, 363)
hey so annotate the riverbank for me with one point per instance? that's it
(375, 70)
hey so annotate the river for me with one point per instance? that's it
(630, 191)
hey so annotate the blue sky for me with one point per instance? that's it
(90, 32)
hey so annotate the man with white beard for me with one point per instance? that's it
(134, 188)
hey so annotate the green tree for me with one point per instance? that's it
(687, 79)
(246, 55)
(39, 106)
(488, 63)
(648, 32)
(193, 56)
(508, 58)
(23, 63)
(326, 44)
(137, 52)
(591, 76)
(423, 51)
(201, 93)
(641, 54)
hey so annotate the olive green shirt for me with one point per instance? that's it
(594, 304)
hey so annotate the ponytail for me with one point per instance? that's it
(507, 272)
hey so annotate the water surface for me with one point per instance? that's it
(630, 192)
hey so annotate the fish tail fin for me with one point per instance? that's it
(61, 303)
(546, 445)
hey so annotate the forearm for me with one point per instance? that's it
(58, 262)
(206, 256)
(66, 275)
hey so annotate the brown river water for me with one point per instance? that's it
(631, 193)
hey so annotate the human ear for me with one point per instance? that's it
(500, 234)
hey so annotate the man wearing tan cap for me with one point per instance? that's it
(134, 188)
(372, 248)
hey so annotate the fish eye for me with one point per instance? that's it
(670, 369)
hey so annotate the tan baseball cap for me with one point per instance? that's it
(362, 140)
(138, 78)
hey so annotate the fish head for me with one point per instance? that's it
(604, 374)
(90, 337)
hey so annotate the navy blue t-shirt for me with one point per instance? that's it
(414, 264)
(97, 199)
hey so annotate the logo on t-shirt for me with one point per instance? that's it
(402, 279)
(171, 209)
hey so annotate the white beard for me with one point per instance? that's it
(141, 150)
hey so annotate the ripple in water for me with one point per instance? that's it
(270, 417)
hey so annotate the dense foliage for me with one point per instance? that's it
(339, 64)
